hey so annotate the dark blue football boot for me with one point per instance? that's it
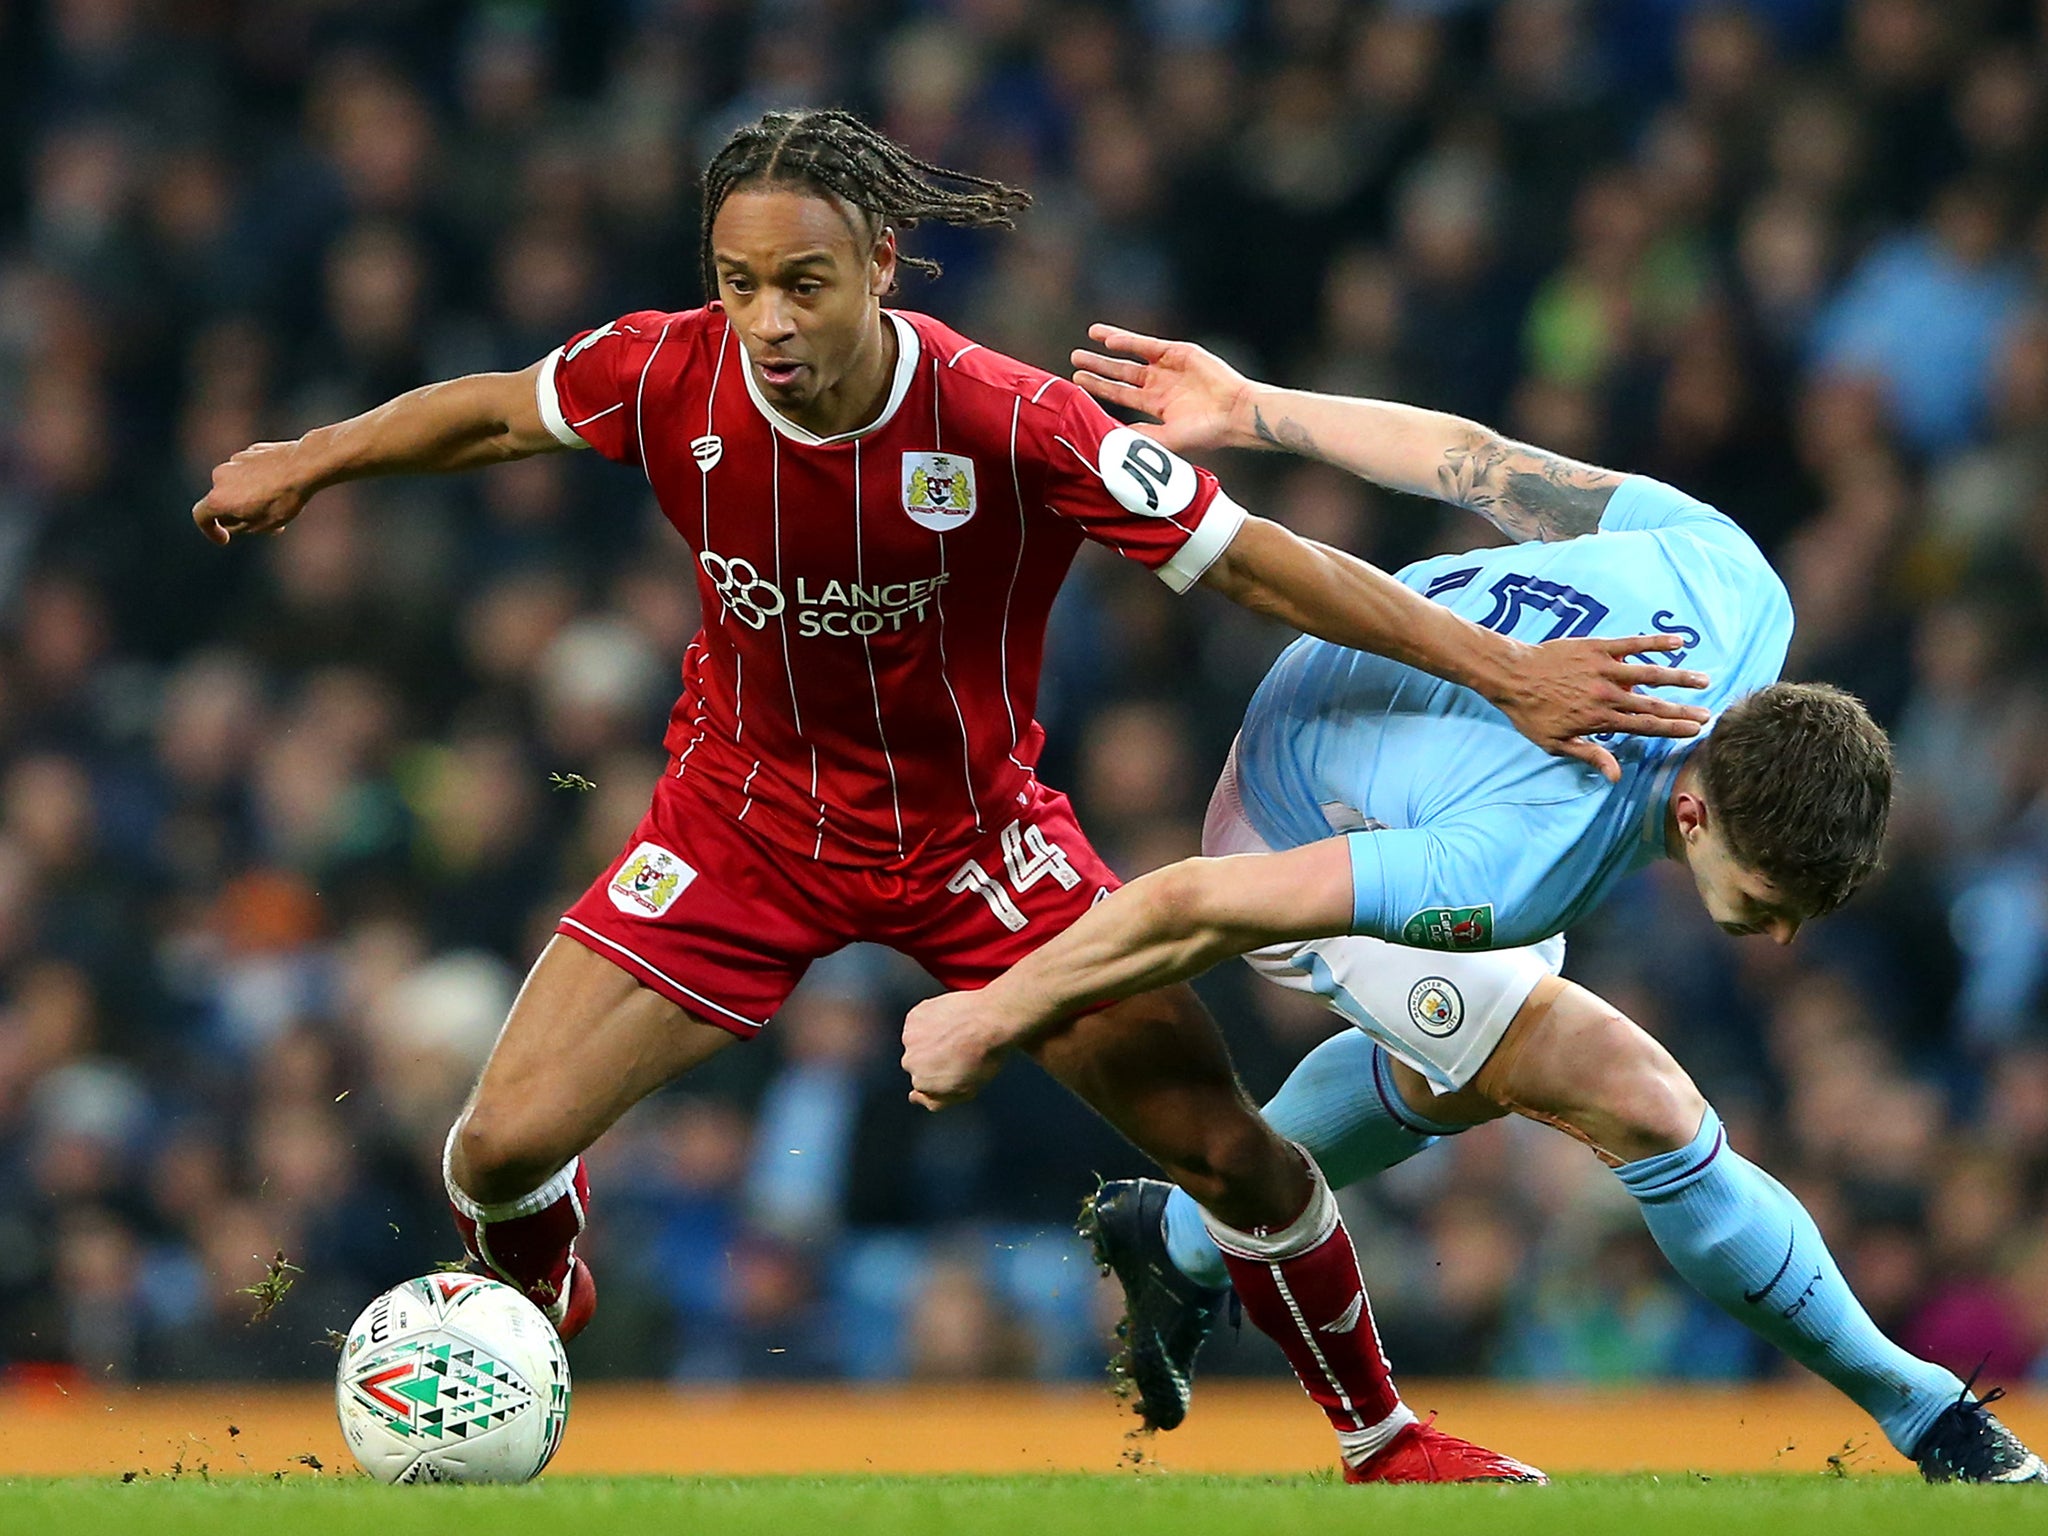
(1968, 1444)
(1167, 1317)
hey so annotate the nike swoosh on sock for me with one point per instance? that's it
(1753, 1297)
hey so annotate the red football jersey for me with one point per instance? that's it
(875, 602)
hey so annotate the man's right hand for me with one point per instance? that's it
(953, 1044)
(1201, 401)
(259, 490)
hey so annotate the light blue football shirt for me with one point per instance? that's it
(1463, 833)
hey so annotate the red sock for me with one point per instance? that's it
(1302, 1288)
(528, 1242)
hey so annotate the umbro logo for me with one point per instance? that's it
(1349, 1320)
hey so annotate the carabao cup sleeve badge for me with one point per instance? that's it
(1450, 928)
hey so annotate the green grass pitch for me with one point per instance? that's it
(1157, 1505)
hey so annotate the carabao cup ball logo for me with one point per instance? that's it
(748, 595)
(1436, 1007)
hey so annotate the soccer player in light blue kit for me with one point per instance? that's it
(1385, 840)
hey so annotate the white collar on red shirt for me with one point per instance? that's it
(906, 369)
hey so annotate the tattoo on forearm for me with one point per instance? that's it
(1523, 491)
(1289, 434)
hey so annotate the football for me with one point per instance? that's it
(452, 1378)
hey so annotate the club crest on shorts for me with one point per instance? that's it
(649, 882)
(1436, 1007)
(938, 490)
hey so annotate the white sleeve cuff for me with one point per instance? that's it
(550, 403)
(1211, 537)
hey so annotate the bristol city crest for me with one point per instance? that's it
(649, 882)
(938, 490)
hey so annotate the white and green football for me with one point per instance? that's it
(452, 1378)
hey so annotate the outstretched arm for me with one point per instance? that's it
(1202, 402)
(1556, 694)
(1165, 927)
(484, 418)
(1527, 493)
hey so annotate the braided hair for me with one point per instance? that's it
(835, 153)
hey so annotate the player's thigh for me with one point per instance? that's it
(585, 1041)
(1439, 1014)
(693, 936)
(1574, 1060)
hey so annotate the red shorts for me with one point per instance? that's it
(725, 923)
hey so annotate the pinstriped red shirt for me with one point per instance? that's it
(875, 603)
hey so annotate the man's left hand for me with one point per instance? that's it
(1561, 693)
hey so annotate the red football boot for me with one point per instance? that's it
(530, 1244)
(574, 1311)
(1422, 1453)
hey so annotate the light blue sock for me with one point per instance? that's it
(1342, 1105)
(1748, 1246)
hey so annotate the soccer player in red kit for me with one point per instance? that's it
(882, 512)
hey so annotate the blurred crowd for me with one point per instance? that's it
(281, 825)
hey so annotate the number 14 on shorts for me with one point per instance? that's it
(1028, 857)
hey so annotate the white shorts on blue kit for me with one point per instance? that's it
(1441, 1013)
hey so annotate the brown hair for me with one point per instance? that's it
(1800, 778)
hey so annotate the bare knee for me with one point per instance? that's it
(497, 1156)
(1228, 1160)
(1155, 1067)
(1582, 1065)
(1658, 1105)
(1235, 1165)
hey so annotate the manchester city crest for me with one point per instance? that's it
(1436, 1007)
